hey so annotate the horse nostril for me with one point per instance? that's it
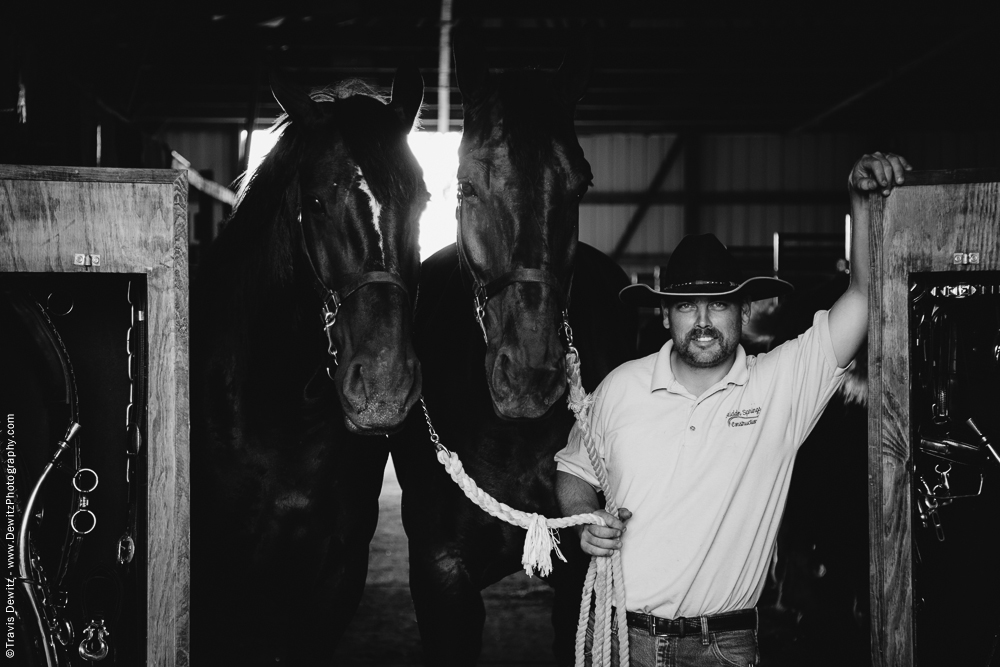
(354, 387)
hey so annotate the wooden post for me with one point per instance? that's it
(917, 229)
(135, 220)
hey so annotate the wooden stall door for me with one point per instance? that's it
(62, 221)
(935, 249)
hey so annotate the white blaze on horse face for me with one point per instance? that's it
(376, 210)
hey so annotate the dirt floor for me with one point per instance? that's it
(384, 631)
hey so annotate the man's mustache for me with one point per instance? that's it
(702, 332)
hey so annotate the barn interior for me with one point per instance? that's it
(696, 118)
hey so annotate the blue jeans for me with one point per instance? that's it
(737, 648)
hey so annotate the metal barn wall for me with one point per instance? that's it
(745, 187)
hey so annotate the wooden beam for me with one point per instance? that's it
(646, 199)
(202, 184)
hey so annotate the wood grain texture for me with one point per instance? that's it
(136, 220)
(952, 177)
(917, 229)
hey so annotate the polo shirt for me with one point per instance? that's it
(705, 477)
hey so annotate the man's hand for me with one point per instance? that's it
(879, 171)
(604, 540)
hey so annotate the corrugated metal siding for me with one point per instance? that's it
(800, 163)
(628, 163)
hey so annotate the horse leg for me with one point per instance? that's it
(449, 607)
(350, 526)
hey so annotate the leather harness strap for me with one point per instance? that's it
(484, 291)
(332, 300)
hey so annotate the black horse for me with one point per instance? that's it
(488, 333)
(301, 346)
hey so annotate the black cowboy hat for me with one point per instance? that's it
(702, 266)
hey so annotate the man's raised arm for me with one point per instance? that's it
(879, 172)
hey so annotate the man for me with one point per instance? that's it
(699, 441)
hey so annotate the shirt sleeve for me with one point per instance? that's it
(573, 458)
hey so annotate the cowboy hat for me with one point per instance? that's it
(702, 266)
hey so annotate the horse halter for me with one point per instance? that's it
(332, 300)
(483, 292)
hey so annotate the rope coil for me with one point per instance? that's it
(604, 585)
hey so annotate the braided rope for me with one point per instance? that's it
(604, 576)
(541, 539)
(604, 580)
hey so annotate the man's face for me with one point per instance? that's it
(705, 330)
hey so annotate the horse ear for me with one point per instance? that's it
(470, 65)
(294, 100)
(407, 94)
(574, 73)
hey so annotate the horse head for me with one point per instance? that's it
(521, 175)
(355, 206)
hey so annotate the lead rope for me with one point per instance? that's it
(604, 581)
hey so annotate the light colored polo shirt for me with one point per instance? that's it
(705, 477)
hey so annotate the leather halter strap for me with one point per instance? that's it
(520, 276)
(483, 292)
(333, 299)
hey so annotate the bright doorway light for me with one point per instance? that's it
(262, 143)
(437, 153)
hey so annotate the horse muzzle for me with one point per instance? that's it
(378, 392)
(523, 390)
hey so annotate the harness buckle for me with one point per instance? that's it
(480, 298)
(126, 549)
(567, 329)
(329, 316)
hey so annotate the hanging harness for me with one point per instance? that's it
(46, 601)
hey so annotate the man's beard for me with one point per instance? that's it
(697, 357)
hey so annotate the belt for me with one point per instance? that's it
(745, 619)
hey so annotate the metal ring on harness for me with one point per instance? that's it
(85, 488)
(87, 514)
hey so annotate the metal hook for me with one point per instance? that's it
(93, 648)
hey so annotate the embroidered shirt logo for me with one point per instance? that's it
(747, 417)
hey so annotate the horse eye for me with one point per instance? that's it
(315, 205)
(465, 189)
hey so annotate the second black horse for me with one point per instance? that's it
(488, 332)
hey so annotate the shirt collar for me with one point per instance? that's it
(663, 375)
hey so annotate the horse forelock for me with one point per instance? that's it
(522, 127)
(377, 142)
